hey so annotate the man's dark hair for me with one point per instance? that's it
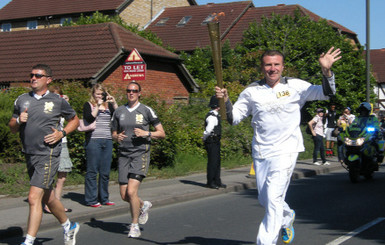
(137, 84)
(272, 53)
(43, 67)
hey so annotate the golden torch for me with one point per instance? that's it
(215, 39)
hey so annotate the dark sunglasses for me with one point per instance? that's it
(37, 75)
(132, 90)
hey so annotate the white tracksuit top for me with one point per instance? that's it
(276, 114)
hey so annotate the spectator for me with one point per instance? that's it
(331, 123)
(98, 146)
(316, 126)
(349, 115)
(342, 123)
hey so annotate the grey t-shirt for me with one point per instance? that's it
(43, 115)
(141, 117)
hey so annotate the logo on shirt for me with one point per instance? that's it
(139, 119)
(274, 107)
(48, 107)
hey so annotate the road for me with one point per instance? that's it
(330, 210)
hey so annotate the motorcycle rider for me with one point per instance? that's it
(366, 119)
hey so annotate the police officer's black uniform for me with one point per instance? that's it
(213, 148)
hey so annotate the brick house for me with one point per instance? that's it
(377, 60)
(27, 14)
(92, 53)
(190, 23)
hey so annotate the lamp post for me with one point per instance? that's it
(368, 50)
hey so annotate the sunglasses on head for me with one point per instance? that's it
(132, 90)
(37, 75)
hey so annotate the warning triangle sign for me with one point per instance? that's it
(127, 77)
(134, 56)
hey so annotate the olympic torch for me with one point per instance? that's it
(215, 39)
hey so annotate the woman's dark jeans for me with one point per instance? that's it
(98, 156)
(319, 147)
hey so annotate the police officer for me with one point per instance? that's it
(212, 138)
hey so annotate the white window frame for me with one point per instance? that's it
(6, 27)
(32, 24)
(162, 21)
(184, 20)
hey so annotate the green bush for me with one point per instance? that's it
(10, 144)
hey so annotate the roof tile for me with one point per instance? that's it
(377, 60)
(72, 52)
(20, 9)
(238, 16)
(194, 34)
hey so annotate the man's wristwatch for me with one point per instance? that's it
(64, 133)
(149, 134)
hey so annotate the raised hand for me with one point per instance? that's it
(326, 60)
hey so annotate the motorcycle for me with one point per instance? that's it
(362, 157)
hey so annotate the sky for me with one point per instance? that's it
(349, 13)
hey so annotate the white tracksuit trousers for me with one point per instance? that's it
(273, 178)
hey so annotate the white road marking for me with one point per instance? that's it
(355, 232)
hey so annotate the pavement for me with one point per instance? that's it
(14, 211)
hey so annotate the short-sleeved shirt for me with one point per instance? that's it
(319, 125)
(127, 119)
(331, 119)
(43, 115)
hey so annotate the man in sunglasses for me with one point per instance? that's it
(130, 125)
(36, 117)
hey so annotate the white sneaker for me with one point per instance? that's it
(316, 163)
(134, 231)
(70, 236)
(326, 163)
(143, 217)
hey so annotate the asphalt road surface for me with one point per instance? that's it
(330, 210)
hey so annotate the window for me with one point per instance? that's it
(6, 27)
(31, 25)
(208, 19)
(184, 21)
(162, 22)
(65, 20)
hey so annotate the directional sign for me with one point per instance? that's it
(134, 67)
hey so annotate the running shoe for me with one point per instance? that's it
(288, 233)
(70, 236)
(134, 231)
(143, 217)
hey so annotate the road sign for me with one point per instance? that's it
(134, 67)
